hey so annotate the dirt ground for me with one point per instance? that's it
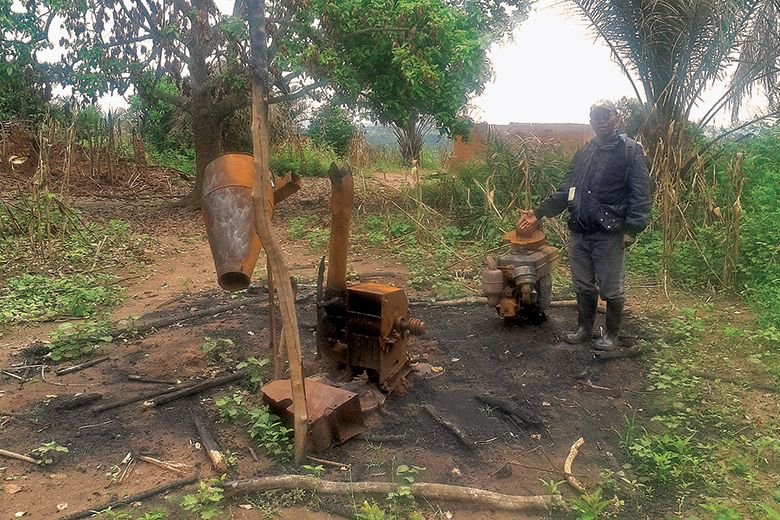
(574, 395)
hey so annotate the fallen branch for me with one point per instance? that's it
(170, 466)
(20, 378)
(12, 455)
(602, 307)
(132, 498)
(144, 324)
(454, 429)
(76, 401)
(434, 492)
(136, 398)
(194, 389)
(216, 457)
(143, 379)
(329, 462)
(81, 366)
(571, 479)
(512, 410)
(450, 303)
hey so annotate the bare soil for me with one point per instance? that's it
(530, 365)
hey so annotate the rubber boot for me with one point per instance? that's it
(609, 341)
(586, 314)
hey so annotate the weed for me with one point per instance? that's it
(41, 298)
(721, 510)
(267, 431)
(231, 407)
(552, 486)
(315, 471)
(669, 460)
(75, 340)
(206, 501)
(49, 452)
(592, 506)
(371, 511)
(402, 498)
(308, 228)
(269, 502)
(218, 350)
(256, 369)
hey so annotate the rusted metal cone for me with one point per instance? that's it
(229, 217)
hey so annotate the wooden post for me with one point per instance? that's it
(262, 184)
(275, 348)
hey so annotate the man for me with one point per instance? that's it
(608, 194)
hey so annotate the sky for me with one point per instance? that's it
(551, 72)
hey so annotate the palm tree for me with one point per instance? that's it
(677, 48)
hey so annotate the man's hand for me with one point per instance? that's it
(628, 240)
(527, 221)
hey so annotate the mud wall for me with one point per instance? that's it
(569, 136)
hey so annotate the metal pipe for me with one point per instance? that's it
(342, 196)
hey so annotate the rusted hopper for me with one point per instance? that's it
(228, 213)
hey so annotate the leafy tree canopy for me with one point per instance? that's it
(422, 57)
(25, 84)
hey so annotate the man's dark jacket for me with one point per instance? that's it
(608, 195)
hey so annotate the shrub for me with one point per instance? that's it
(304, 160)
(332, 127)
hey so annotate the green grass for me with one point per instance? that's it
(699, 447)
(310, 229)
(306, 160)
(30, 298)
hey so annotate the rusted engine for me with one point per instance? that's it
(519, 284)
(365, 326)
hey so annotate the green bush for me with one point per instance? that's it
(332, 127)
(180, 160)
(306, 160)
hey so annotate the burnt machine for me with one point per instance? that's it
(519, 284)
(365, 326)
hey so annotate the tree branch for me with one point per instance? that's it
(297, 94)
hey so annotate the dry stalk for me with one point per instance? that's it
(732, 221)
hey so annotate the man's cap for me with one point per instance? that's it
(604, 104)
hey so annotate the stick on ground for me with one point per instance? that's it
(170, 466)
(571, 479)
(452, 427)
(81, 366)
(132, 498)
(465, 495)
(215, 455)
(511, 409)
(194, 389)
(12, 455)
(139, 397)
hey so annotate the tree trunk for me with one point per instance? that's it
(410, 136)
(139, 146)
(206, 122)
(206, 137)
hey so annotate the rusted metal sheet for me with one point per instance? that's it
(286, 186)
(334, 414)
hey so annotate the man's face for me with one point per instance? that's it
(603, 122)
